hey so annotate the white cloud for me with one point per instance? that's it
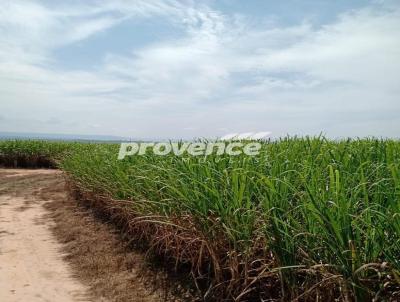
(224, 73)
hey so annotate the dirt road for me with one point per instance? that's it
(31, 267)
(52, 248)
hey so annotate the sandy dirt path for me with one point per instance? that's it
(31, 265)
(56, 248)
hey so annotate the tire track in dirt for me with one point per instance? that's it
(54, 249)
(31, 267)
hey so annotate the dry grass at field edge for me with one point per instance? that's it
(99, 256)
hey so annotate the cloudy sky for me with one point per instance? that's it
(170, 69)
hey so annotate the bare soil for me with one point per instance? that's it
(31, 265)
(53, 249)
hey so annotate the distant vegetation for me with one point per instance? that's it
(308, 218)
(33, 153)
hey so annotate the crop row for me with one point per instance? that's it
(307, 218)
